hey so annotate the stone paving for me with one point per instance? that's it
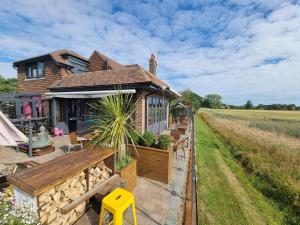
(8, 155)
(159, 203)
(156, 202)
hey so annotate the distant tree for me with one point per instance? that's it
(249, 105)
(291, 107)
(190, 98)
(213, 101)
(8, 85)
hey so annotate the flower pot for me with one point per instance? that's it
(128, 174)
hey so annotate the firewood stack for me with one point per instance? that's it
(98, 174)
(57, 197)
(51, 202)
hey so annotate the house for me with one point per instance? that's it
(66, 82)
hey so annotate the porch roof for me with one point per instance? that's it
(89, 94)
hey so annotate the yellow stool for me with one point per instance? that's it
(116, 203)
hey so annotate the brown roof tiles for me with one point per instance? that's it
(56, 56)
(129, 74)
(111, 63)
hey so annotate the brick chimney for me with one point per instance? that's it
(152, 64)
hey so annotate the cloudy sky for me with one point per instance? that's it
(247, 49)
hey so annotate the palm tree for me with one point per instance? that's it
(115, 122)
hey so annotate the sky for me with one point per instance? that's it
(247, 49)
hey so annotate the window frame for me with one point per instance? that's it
(38, 67)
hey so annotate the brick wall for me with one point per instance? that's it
(140, 112)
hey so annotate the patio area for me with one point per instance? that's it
(156, 202)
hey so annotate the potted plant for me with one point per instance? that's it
(155, 157)
(115, 122)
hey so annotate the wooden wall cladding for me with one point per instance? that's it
(129, 175)
(153, 163)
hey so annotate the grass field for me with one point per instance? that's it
(247, 173)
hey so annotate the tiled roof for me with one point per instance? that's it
(129, 74)
(56, 56)
(111, 63)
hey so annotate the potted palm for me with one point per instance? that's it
(115, 122)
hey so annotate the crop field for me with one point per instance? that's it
(254, 157)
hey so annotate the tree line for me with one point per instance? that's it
(8, 85)
(215, 101)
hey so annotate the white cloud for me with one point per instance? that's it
(202, 45)
(7, 70)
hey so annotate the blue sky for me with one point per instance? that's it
(247, 49)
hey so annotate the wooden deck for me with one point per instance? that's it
(41, 178)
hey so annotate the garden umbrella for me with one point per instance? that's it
(9, 134)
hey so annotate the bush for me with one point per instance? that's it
(148, 139)
(136, 137)
(21, 213)
(122, 162)
(164, 142)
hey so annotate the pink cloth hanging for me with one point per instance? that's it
(27, 111)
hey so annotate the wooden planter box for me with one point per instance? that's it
(153, 163)
(128, 174)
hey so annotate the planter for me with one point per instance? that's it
(153, 163)
(128, 174)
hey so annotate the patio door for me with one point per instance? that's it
(72, 115)
(156, 114)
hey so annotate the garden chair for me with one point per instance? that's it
(75, 141)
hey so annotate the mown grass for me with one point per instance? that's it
(272, 170)
(219, 202)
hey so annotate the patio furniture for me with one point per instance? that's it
(36, 151)
(63, 126)
(75, 141)
(117, 203)
(179, 145)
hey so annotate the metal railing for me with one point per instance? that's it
(194, 208)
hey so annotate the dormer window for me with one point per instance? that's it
(35, 70)
(78, 65)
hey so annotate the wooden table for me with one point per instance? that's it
(40, 178)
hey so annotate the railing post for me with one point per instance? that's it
(30, 140)
(53, 110)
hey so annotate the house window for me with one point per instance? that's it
(35, 70)
(78, 66)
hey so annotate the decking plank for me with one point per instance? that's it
(40, 178)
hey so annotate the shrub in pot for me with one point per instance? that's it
(148, 139)
(135, 138)
(164, 142)
(114, 121)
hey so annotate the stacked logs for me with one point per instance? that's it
(52, 201)
(98, 174)
(59, 196)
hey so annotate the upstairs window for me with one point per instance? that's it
(78, 66)
(35, 70)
